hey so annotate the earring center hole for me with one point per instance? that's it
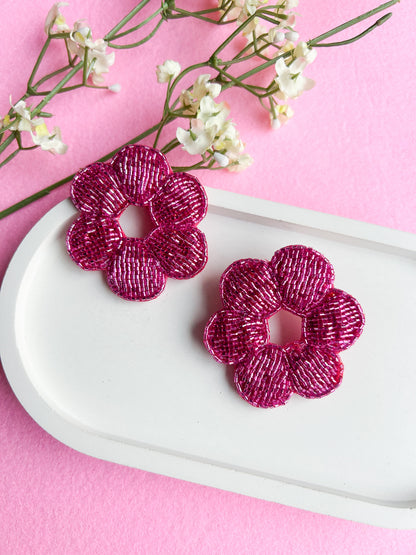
(135, 221)
(284, 327)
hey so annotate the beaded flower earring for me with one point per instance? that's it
(137, 268)
(300, 280)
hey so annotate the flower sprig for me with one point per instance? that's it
(274, 52)
(89, 59)
(272, 49)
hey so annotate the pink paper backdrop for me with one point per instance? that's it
(348, 151)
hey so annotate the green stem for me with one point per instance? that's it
(357, 37)
(58, 87)
(226, 12)
(10, 157)
(170, 146)
(48, 76)
(7, 142)
(231, 37)
(68, 53)
(140, 42)
(85, 66)
(110, 35)
(352, 22)
(44, 192)
(64, 89)
(237, 82)
(38, 62)
(138, 26)
(179, 14)
(198, 166)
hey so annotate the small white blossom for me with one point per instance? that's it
(254, 29)
(99, 62)
(240, 163)
(228, 139)
(48, 141)
(211, 131)
(211, 113)
(282, 113)
(167, 71)
(286, 8)
(55, 18)
(115, 88)
(190, 99)
(235, 11)
(276, 35)
(250, 6)
(203, 87)
(292, 36)
(23, 121)
(303, 51)
(189, 105)
(290, 4)
(221, 159)
(198, 139)
(290, 79)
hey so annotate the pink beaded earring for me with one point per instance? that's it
(137, 268)
(300, 280)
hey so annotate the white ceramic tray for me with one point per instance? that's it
(132, 383)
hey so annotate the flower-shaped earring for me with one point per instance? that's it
(137, 268)
(300, 280)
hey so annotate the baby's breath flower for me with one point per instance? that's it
(99, 62)
(198, 139)
(276, 35)
(290, 79)
(23, 121)
(189, 105)
(203, 87)
(281, 114)
(56, 19)
(292, 36)
(48, 141)
(211, 113)
(240, 163)
(115, 88)
(210, 131)
(228, 139)
(221, 159)
(167, 71)
(250, 6)
(302, 50)
(190, 99)
(254, 30)
(234, 12)
(290, 4)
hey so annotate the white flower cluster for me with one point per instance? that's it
(22, 120)
(241, 10)
(167, 71)
(289, 78)
(278, 42)
(80, 41)
(209, 131)
(290, 81)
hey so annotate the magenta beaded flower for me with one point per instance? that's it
(299, 280)
(137, 268)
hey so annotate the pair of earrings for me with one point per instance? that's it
(297, 278)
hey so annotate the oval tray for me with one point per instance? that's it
(132, 383)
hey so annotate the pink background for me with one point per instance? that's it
(348, 151)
